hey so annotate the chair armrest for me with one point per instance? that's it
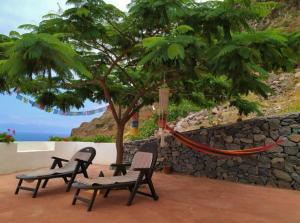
(59, 159)
(120, 165)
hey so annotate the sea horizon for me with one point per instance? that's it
(37, 136)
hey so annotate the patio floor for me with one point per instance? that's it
(182, 199)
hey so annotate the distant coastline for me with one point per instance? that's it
(35, 136)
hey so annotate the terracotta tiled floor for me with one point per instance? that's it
(182, 199)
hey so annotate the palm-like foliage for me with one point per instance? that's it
(39, 63)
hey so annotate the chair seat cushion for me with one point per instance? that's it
(131, 176)
(66, 169)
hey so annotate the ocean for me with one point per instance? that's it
(35, 136)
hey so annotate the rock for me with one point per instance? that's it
(285, 131)
(276, 149)
(287, 143)
(228, 139)
(296, 177)
(265, 126)
(282, 175)
(237, 159)
(277, 163)
(203, 132)
(266, 172)
(297, 74)
(281, 155)
(232, 146)
(215, 111)
(294, 160)
(271, 183)
(274, 124)
(289, 167)
(295, 126)
(246, 140)
(283, 184)
(230, 163)
(294, 138)
(176, 153)
(253, 170)
(236, 141)
(291, 150)
(244, 167)
(264, 165)
(296, 186)
(297, 85)
(256, 130)
(259, 137)
(253, 178)
(221, 162)
(189, 166)
(297, 169)
(274, 134)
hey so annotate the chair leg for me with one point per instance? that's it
(45, 183)
(151, 187)
(66, 180)
(85, 174)
(106, 193)
(69, 185)
(18, 186)
(92, 200)
(71, 181)
(134, 190)
(36, 188)
(75, 196)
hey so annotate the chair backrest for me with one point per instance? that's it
(145, 157)
(86, 154)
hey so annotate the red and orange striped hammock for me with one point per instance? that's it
(199, 147)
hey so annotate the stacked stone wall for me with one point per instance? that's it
(279, 167)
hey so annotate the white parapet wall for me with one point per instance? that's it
(21, 156)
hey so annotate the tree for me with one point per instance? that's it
(206, 52)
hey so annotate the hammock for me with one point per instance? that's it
(214, 151)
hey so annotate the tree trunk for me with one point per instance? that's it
(119, 142)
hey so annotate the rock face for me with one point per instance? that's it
(105, 125)
(278, 167)
(284, 87)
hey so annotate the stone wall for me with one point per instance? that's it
(279, 167)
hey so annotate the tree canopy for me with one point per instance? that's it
(205, 52)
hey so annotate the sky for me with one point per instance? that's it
(13, 113)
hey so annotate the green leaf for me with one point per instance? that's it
(184, 29)
(176, 51)
(153, 41)
(82, 12)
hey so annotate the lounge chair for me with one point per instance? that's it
(76, 165)
(140, 172)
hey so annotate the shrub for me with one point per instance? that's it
(181, 110)
(7, 137)
(147, 129)
(96, 139)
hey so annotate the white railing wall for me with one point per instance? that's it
(21, 156)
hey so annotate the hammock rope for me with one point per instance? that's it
(199, 147)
